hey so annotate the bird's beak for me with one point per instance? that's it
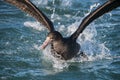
(46, 42)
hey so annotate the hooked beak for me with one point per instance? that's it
(45, 43)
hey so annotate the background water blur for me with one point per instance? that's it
(21, 37)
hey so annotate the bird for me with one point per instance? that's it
(64, 48)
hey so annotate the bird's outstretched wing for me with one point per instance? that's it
(106, 7)
(30, 8)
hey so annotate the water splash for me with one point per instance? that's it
(89, 44)
(34, 25)
(56, 63)
(95, 50)
(53, 14)
(92, 7)
(40, 2)
(66, 3)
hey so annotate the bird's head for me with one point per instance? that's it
(51, 37)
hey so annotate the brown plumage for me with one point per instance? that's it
(67, 48)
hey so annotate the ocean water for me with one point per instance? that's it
(21, 36)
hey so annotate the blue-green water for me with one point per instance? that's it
(21, 37)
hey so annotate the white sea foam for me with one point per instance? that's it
(92, 7)
(34, 25)
(40, 2)
(66, 3)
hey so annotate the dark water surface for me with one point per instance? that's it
(21, 37)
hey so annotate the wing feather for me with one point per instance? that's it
(30, 8)
(106, 7)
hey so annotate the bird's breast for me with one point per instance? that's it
(67, 49)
